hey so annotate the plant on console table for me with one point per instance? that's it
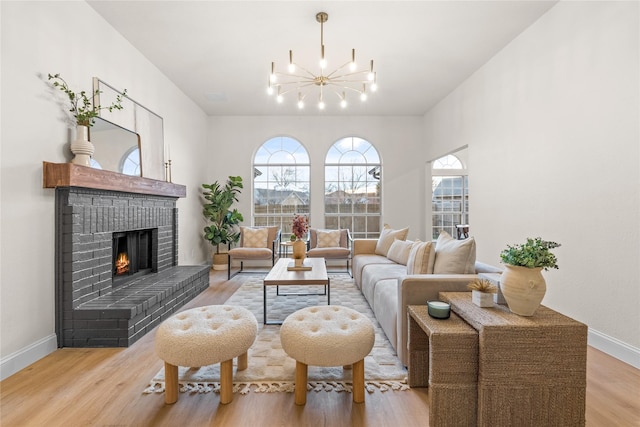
(522, 282)
(482, 292)
(299, 228)
(223, 229)
(84, 110)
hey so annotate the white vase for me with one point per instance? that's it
(482, 299)
(81, 147)
(523, 288)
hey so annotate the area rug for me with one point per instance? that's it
(270, 368)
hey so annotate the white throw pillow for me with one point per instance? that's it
(399, 251)
(387, 236)
(254, 237)
(421, 258)
(328, 239)
(454, 256)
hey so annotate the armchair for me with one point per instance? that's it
(330, 245)
(256, 244)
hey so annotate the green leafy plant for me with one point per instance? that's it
(83, 106)
(218, 200)
(534, 253)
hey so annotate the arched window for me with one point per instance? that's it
(352, 187)
(131, 162)
(449, 195)
(281, 174)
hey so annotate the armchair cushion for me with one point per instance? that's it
(328, 239)
(314, 236)
(254, 237)
(387, 236)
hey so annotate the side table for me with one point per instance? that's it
(443, 354)
(532, 371)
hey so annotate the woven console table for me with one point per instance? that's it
(443, 355)
(531, 370)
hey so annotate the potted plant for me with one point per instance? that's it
(84, 110)
(223, 229)
(522, 282)
(482, 292)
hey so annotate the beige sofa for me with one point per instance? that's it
(389, 289)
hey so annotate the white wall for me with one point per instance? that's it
(553, 133)
(69, 38)
(399, 142)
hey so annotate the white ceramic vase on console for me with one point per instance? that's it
(81, 147)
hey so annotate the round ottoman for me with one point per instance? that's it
(203, 336)
(327, 336)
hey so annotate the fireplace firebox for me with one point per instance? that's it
(132, 255)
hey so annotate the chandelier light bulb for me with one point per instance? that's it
(343, 103)
(292, 66)
(363, 94)
(321, 105)
(272, 76)
(279, 98)
(374, 85)
(371, 76)
(300, 101)
(270, 90)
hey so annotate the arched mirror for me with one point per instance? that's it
(139, 120)
(116, 149)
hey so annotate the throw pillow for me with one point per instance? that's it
(254, 237)
(399, 251)
(421, 258)
(387, 236)
(454, 256)
(328, 239)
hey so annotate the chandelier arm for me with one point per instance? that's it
(296, 76)
(340, 68)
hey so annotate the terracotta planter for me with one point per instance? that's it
(523, 288)
(220, 261)
(299, 251)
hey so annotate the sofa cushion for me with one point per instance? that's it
(454, 256)
(374, 273)
(254, 237)
(385, 298)
(362, 260)
(399, 251)
(387, 236)
(421, 258)
(328, 239)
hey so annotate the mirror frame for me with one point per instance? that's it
(138, 119)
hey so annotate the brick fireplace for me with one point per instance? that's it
(95, 211)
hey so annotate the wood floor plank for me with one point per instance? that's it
(103, 387)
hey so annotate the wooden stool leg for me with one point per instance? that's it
(226, 381)
(301, 383)
(358, 381)
(171, 383)
(243, 361)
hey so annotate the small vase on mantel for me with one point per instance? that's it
(523, 288)
(81, 147)
(299, 251)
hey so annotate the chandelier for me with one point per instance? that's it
(342, 81)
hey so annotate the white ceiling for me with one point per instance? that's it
(220, 52)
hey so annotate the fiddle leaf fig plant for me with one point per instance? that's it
(218, 200)
(83, 106)
(533, 253)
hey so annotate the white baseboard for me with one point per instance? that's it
(614, 348)
(14, 362)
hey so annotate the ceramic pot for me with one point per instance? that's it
(482, 299)
(523, 288)
(81, 147)
(299, 251)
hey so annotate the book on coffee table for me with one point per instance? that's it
(305, 266)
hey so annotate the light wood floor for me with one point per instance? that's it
(103, 387)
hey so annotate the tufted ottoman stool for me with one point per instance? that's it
(203, 336)
(327, 336)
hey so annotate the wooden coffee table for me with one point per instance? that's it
(280, 276)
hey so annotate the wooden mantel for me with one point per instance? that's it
(72, 175)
